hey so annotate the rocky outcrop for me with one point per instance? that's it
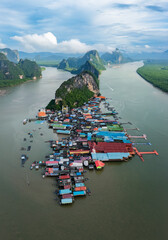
(73, 64)
(63, 64)
(88, 66)
(85, 79)
(14, 73)
(12, 55)
(9, 70)
(115, 57)
(78, 82)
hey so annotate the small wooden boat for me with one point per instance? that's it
(28, 148)
(23, 158)
(88, 191)
(24, 121)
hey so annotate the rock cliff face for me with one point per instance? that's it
(85, 79)
(79, 89)
(63, 64)
(115, 57)
(73, 64)
(12, 55)
(78, 82)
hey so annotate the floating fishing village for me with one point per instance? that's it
(91, 138)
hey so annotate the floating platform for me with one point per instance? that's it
(143, 136)
(141, 153)
(66, 132)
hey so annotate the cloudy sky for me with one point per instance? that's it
(76, 26)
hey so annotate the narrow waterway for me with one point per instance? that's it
(128, 201)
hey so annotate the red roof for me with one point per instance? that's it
(99, 163)
(64, 176)
(66, 195)
(67, 186)
(105, 147)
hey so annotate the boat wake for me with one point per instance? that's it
(110, 87)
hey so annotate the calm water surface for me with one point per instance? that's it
(129, 200)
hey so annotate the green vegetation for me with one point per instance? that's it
(75, 98)
(30, 68)
(43, 68)
(12, 74)
(11, 83)
(3, 57)
(54, 107)
(9, 71)
(74, 64)
(75, 91)
(70, 84)
(97, 62)
(156, 74)
(62, 90)
(88, 66)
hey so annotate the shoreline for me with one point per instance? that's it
(2, 92)
(152, 74)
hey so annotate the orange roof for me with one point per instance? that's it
(102, 97)
(41, 114)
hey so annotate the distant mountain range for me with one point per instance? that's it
(75, 61)
(115, 57)
(45, 56)
(149, 55)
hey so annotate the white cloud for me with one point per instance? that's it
(147, 46)
(108, 23)
(73, 46)
(35, 42)
(48, 42)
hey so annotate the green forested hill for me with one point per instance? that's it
(88, 66)
(29, 68)
(73, 64)
(3, 57)
(157, 74)
(75, 91)
(12, 74)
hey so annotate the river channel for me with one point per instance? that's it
(128, 200)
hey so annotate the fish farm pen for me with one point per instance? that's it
(91, 138)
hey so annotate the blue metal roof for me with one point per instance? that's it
(79, 184)
(64, 191)
(79, 193)
(66, 200)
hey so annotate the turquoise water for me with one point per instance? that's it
(128, 201)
